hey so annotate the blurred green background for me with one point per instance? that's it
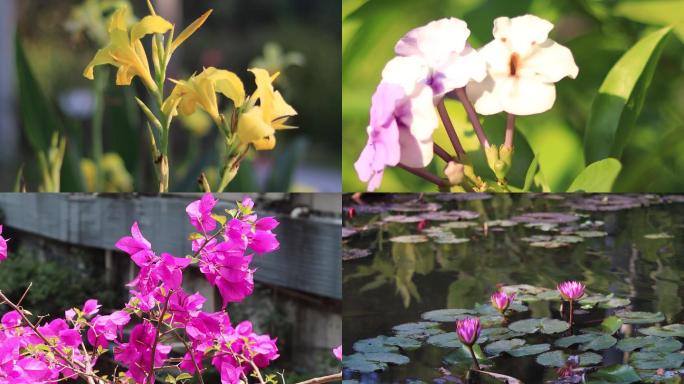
(598, 32)
(300, 38)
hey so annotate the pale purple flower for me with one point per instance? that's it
(337, 351)
(468, 330)
(501, 301)
(522, 66)
(571, 290)
(199, 212)
(442, 45)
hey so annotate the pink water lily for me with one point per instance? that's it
(501, 301)
(468, 331)
(571, 290)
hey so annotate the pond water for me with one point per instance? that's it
(406, 255)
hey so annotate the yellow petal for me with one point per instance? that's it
(267, 143)
(124, 75)
(229, 85)
(103, 56)
(252, 127)
(281, 111)
(149, 24)
(119, 20)
(264, 91)
(192, 28)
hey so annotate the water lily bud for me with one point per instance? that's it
(468, 330)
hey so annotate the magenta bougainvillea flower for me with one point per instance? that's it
(158, 304)
(337, 351)
(571, 290)
(501, 301)
(3, 246)
(468, 330)
(200, 211)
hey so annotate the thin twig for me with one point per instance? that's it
(472, 116)
(323, 379)
(443, 154)
(192, 356)
(510, 130)
(420, 172)
(444, 115)
(24, 295)
(156, 336)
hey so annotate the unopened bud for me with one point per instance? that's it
(454, 172)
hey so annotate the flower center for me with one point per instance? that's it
(513, 64)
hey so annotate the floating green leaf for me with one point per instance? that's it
(656, 360)
(599, 343)
(558, 359)
(418, 331)
(674, 330)
(448, 315)
(376, 344)
(528, 350)
(357, 362)
(567, 341)
(545, 325)
(611, 324)
(497, 347)
(629, 317)
(649, 344)
(409, 239)
(623, 374)
(384, 357)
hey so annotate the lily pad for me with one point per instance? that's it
(418, 331)
(629, 317)
(445, 340)
(674, 330)
(497, 347)
(402, 219)
(559, 358)
(499, 333)
(448, 315)
(450, 240)
(658, 236)
(384, 357)
(611, 324)
(358, 363)
(623, 374)
(405, 343)
(376, 344)
(591, 234)
(546, 217)
(450, 215)
(501, 223)
(528, 350)
(656, 360)
(409, 239)
(604, 301)
(649, 344)
(459, 225)
(599, 343)
(545, 325)
(565, 342)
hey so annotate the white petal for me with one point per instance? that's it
(522, 33)
(550, 60)
(529, 96)
(415, 153)
(407, 72)
(488, 96)
(422, 120)
(461, 68)
(436, 41)
(498, 57)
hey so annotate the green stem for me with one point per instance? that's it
(472, 354)
(101, 81)
(571, 316)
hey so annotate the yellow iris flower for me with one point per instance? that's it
(200, 90)
(258, 124)
(126, 52)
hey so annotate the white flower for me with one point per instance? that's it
(442, 46)
(522, 66)
(415, 114)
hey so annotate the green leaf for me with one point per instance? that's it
(611, 324)
(184, 376)
(499, 346)
(547, 326)
(531, 172)
(597, 177)
(629, 317)
(649, 344)
(621, 97)
(528, 350)
(385, 357)
(558, 359)
(617, 374)
(656, 360)
(656, 12)
(675, 330)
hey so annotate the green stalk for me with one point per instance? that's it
(101, 81)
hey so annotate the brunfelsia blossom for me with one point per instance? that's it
(522, 66)
(3, 246)
(468, 330)
(571, 290)
(501, 301)
(402, 120)
(442, 45)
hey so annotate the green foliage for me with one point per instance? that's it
(625, 103)
(56, 286)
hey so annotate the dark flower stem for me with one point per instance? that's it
(571, 316)
(451, 131)
(510, 130)
(420, 172)
(472, 116)
(443, 154)
(472, 354)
